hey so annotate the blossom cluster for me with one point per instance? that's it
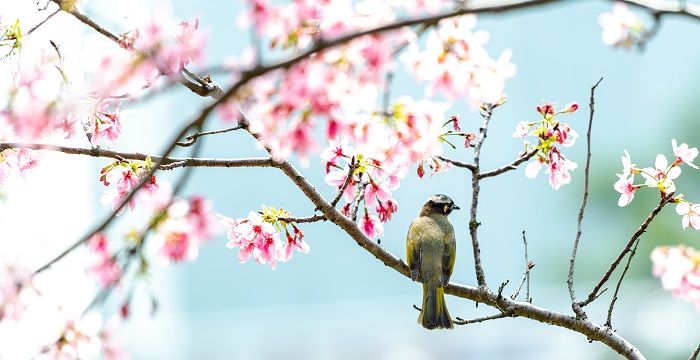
(126, 175)
(622, 27)
(16, 161)
(455, 62)
(182, 228)
(258, 235)
(677, 267)
(661, 177)
(45, 98)
(14, 287)
(88, 336)
(549, 132)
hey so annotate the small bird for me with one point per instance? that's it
(430, 254)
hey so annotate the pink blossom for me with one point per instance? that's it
(621, 27)
(295, 241)
(534, 167)
(14, 283)
(690, 213)
(521, 130)
(202, 219)
(677, 267)
(371, 226)
(661, 176)
(337, 149)
(105, 123)
(627, 166)
(570, 108)
(385, 210)
(254, 237)
(558, 169)
(684, 154)
(565, 135)
(625, 186)
(26, 161)
(375, 191)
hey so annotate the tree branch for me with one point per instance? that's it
(526, 275)
(456, 163)
(481, 295)
(608, 322)
(695, 353)
(166, 163)
(512, 166)
(642, 228)
(487, 112)
(192, 138)
(587, 172)
(460, 321)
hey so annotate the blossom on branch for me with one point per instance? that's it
(677, 267)
(621, 27)
(549, 132)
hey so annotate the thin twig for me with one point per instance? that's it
(192, 138)
(487, 113)
(348, 179)
(526, 275)
(308, 219)
(456, 163)
(572, 261)
(460, 321)
(608, 322)
(42, 22)
(642, 228)
(358, 199)
(512, 166)
(695, 354)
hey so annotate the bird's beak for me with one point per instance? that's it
(455, 207)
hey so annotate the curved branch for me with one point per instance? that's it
(456, 163)
(166, 163)
(628, 247)
(482, 295)
(512, 166)
(587, 172)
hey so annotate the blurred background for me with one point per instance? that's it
(339, 302)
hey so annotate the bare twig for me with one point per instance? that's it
(192, 138)
(695, 353)
(308, 219)
(42, 22)
(460, 321)
(572, 261)
(526, 275)
(348, 179)
(487, 113)
(512, 166)
(608, 322)
(456, 163)
(642, 228)
(358, 199)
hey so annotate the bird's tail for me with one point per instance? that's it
(434, 314)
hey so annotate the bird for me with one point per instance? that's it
(430, 254)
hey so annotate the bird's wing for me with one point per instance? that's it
(413, 251)
(448, 257)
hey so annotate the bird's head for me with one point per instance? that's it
(438, 204)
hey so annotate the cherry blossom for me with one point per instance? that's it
(625, 186)
(550, 131)
(621, 27)
(690, 213)
(104, 268)
(254, 237)
(677, 267)
(662, 175)
(295, 241)
(628, 168)
(14, 285)
(371, 225)
(684, 154)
